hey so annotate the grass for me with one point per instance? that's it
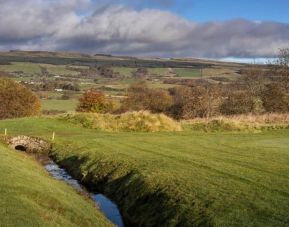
(159, 71)
(177, 178)
(60, 105)
(25, 67)
(183, 72)
(124, 71)
(59, 69)
(30, 197)
(249, 123)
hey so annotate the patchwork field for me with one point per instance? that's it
(190, 178)
(43, 72)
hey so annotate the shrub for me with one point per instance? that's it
(142, 121)
(237, 102)
(17, 100)
(140, 97)
(95, 102)
(198, 101)
(275, 99)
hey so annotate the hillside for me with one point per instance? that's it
(59, 78)
(30, 197)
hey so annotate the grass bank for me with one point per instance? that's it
(177, 178)
(30, 197)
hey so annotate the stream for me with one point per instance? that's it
(108, 208)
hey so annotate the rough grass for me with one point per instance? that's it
(177, 179)
(30, 197)
(242, 123)
(142, 121)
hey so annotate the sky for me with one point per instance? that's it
(220, 29)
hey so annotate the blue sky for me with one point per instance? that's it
(208, 10)
(204, 10)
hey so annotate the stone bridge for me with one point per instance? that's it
(29, 144)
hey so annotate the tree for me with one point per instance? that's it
(237, 102)
(140, 97)
(275, 99)
(280, 68)
(94, 101)
(16, 100)
(197, 101)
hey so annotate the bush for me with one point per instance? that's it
(17, 100)
(94, 102)
(238, 102)
(140, 97)
(275, 99)
(198, 101)
(142, 121)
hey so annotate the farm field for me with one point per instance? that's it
(60, 105)
(191, 178)
(30, 197)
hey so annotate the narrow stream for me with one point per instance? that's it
(109, 208)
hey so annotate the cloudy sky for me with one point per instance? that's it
(161, 28)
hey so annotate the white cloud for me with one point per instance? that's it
(80, 25)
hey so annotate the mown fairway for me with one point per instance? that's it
(185, 179)
(30, 197)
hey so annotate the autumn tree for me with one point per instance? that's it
(275, 99)
(94, 101)
(16, 100)
(140, 97)
(237, 102)
(197, 101)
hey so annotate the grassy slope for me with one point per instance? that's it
(183, 178)
(29, 197)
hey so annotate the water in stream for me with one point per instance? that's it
(109, 208)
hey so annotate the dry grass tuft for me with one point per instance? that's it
(142, 121)
(251, 123)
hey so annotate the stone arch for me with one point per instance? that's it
(28, 144)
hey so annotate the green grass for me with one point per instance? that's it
(30, 197)
(185, 178)
(183, 72)
(158, 71)
(25, 67)
(61, 105)
(127, 72)
(59, 70)
(124, 71)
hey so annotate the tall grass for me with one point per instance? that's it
(249, 122)
(142, 121)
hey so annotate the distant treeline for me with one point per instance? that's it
(118, 63)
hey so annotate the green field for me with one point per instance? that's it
(187, 72)
(177, 179)
(30, 197)
(59, 70)
(124, 71)
(25, 67)
(61, 105)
